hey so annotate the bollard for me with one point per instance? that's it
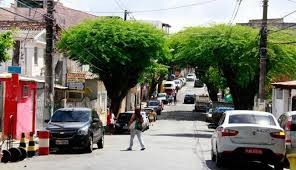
(31, 148)
(43, 142)
(23, 141)
(292, 160)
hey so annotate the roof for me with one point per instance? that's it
(64, 16)
(30, 79)
(285, 84)
(247, 112)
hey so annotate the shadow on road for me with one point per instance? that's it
(182, 116)
(192, 135)
(240, 166)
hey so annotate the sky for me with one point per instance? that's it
(203, 13)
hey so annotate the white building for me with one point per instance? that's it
(283, 97)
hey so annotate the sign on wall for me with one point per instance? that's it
(76, 81)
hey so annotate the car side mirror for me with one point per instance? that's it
(96, 120)
(46, 121)
(212, 126)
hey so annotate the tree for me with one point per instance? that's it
(154, 74)
(118, 51)
(6, 42)
(233, 51)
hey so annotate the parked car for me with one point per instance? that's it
(190, 77)
(169, 87)
(178, 84)
(77, 128)
(248, 136)
(156, 105)
(287, 121)
(198, 83)
(162, 97)
(121, 123)
(189, 98)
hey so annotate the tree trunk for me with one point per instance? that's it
(160, 80)
(212, 92)
(243, 97)
(152, 87)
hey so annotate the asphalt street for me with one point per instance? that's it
(179, 140)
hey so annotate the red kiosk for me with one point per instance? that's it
(19, 104)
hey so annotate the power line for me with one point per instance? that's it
(176, 7)
(235, 11)
(30, 19)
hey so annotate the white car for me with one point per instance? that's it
(248, 136)
(178, 83)
(162, 97)
(190, 77)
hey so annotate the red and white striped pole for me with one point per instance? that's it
(43, 142)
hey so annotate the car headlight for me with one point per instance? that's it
(83, 130)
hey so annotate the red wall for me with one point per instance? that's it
(19, 107)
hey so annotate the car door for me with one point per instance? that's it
(96, 126)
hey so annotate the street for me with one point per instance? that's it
(178, 140)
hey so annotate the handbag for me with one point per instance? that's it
(138, 125)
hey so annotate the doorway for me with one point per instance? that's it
(1, 105)
(294, 103)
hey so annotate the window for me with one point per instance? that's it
(25, 91)
(279, 93)
(30, 3)
(36, 55)
(251, 119)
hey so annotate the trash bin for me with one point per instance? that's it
(292, 159)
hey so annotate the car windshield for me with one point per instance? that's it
(161, 95)
(71, 116)
(251, 119)
(223, 109)
(124, 117)
(177, 82)
(168, 85)
(189, 95)
(153, 103)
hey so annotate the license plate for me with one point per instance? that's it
(254, 151)
(62, 142)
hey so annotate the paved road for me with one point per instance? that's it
(177, 141)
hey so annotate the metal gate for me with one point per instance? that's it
(40, 107)
(1, 105)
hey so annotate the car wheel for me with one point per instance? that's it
(89, 147)
(279, 166)
(219, 160)
(101, 143)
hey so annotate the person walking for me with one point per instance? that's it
(175, 99)
(135, 125)
(110, 121)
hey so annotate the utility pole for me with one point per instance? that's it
(125, 15)
(49, 80)
(263, 52)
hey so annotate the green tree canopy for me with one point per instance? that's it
(233, 51)
(6, 42)
(118, 51)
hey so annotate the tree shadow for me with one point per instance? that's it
(182, 116)
(238, 165)
(186, 135)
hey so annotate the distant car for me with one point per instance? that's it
(162, 97)
(198, 83)
(121, 123)
(77, 128)
(209, 116)
(178, 84)
(169, 87)
(189, 98)
(183, 80)
(218, 111)
(190, 77)
(156, 105)
(248, 136)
